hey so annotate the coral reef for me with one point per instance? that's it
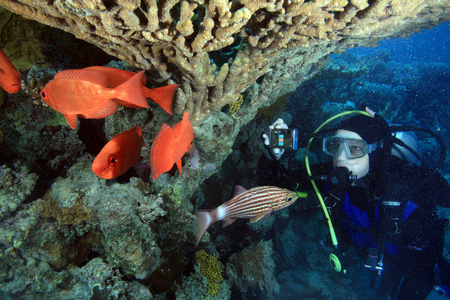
(66, 233)
(15, 185)
(82, 217)
(211, 269)
(252, 269)
(177, 39)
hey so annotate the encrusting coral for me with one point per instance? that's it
(254, 268)
(211, 269)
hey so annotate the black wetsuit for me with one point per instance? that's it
(394, 212)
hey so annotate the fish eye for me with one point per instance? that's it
(43, 94)
(112, 159)
(289, 199)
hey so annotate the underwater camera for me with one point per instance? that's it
(283, 138)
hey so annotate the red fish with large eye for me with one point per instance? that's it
(170, 145)
(9, 76)
(89, 94)
(119, 154)
(163, 96)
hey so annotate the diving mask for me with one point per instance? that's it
(354, 148)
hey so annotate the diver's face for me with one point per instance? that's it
(358, 166)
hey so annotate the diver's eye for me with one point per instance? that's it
(43, 95)
(112, 159)
(356, 151)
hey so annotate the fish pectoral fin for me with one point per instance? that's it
(72, 120)
(257, 218)
(104, 110)
(227, 222)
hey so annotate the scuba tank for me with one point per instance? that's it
(410, 139)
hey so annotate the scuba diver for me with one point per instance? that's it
(379, 205)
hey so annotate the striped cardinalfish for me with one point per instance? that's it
(253, 204)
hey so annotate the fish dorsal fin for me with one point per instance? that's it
(111, 71)
(184, 133)
(239, 190)
(184, 130)
(137, 130)
(161, 152)
(92, 76)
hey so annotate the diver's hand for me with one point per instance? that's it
(278, 124)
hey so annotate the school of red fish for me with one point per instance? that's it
(96, 92)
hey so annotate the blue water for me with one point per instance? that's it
(430, 45)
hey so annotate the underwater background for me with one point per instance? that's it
(407, 82)
(67, 234)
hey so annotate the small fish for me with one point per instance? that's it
(170, 145)
(119, 154)
(9, 76)
(88, 94)
(163, 96)
(254, 203)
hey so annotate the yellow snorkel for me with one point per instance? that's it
(334, 260)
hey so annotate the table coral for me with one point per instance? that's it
(176, 39)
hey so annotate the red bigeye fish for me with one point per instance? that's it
(170, 145)
(9, 76)
(254, 203)
(88, 94)
(163, 96)
(119, 154)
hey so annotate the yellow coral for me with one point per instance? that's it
(236, 105)
(210, 269)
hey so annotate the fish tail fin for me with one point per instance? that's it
(205, 218)
(131, 92)
(163, 96)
